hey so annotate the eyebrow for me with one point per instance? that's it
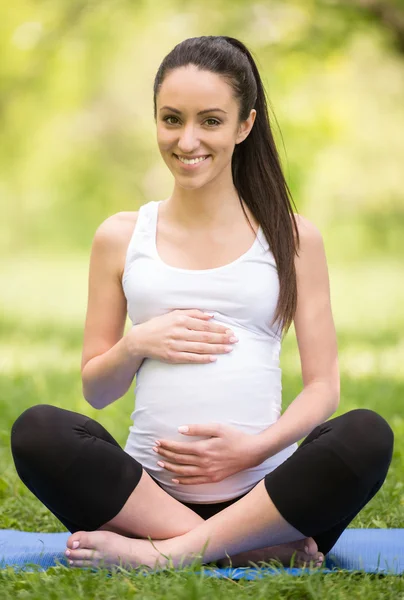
(201, 112)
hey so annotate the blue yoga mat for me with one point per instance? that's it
(369, 550)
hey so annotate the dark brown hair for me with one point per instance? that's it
(256, 169)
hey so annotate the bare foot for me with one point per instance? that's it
(105, 548)
(282, 553)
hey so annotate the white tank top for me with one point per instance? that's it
(242, 388)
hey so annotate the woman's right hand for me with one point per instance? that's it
(183, 336)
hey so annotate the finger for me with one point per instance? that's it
(189, 470)
(191, 357)
(205, 325)
(212, 429)
(182, 459)
(194, 314)
(180, 447)
(205, 332)
(197, 347)
(193, 480)
(208, 337)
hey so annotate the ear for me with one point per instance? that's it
(246, 126)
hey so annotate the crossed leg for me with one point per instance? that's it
(350, 455)
(249, 529)
(55, 448)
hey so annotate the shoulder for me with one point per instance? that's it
(112, 238)
(308, 231)
(115, 232)
(311, 251)
(112, 229)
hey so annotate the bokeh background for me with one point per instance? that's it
(78, 144)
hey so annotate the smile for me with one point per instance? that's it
(192, 163)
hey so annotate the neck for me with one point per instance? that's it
(204, 209)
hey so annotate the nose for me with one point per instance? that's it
(188, 140)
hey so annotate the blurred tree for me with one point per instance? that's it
(386, 14)
(78, 137)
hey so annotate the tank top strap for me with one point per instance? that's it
(141, 243)
(147, 219)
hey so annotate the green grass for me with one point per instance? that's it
(42, 311)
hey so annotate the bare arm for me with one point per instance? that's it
(316, 338)
(109, 360)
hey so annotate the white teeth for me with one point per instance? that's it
(192, 161)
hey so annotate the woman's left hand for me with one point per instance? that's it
(228, 451)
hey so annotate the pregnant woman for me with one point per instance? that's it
(212, 278)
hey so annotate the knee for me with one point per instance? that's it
(29, 429)
(372, 434)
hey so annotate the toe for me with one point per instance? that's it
(311, 546)
(74, 564)
(75, 537)
(298, 559)
(83, 539)
(84, 554)
(320, 559)
(305, 561)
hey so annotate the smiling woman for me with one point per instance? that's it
(211, 278)
(194, 159)
(242, 294)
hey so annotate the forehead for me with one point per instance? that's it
(188, 87)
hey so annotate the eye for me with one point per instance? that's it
(169, 117)
(215, 121)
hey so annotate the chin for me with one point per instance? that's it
(189, 187)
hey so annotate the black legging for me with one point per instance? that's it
(83, 476)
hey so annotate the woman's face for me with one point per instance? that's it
(182, 132)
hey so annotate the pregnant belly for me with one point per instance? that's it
(242, 387)
(239, 389)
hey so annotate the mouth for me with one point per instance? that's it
(194, 165)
